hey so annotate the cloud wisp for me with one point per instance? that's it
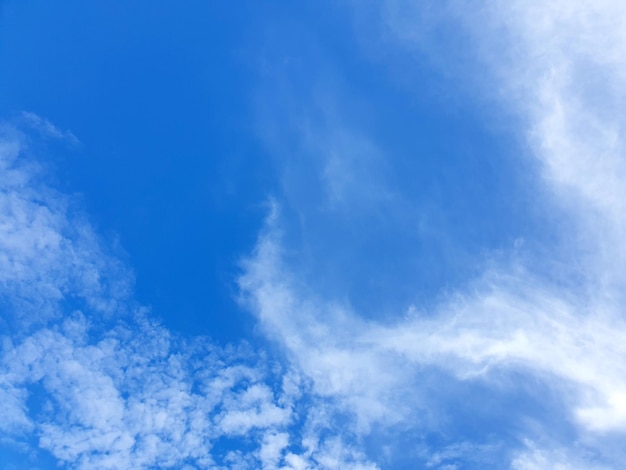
(524, 366)
(557, 332)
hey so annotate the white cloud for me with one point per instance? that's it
(134, 396)
(47, 250)
(86, 374)
(534, 458)
(15, 416)
(563, 69)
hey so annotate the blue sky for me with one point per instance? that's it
(324, 235)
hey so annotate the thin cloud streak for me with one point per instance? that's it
(46, 128)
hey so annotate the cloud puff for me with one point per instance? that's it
(135, 398)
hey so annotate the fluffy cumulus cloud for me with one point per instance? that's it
(88, 377)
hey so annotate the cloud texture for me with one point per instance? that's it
(554, 327)
(523, 366)
(87, 376)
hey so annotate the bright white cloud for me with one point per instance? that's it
(132, 400)
(563, 69)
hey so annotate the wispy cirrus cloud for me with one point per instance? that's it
(553, 327)
(46, 128)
